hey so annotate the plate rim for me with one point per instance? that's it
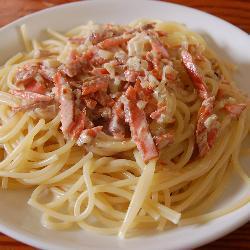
(80, 2)
(30, 239)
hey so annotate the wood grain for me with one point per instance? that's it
(11, 10)
(236, 12)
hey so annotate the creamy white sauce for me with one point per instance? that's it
(209, 121)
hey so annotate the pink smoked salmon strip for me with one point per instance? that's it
(205, 137)
(32, 106)
(158, 47)
(235, 110)
(193, 73)
(139, 126)
(94, 86)
(65, 98)
(26, 74)
(162, 141)
(28, 95)
(157, 114)
(116, 125)
(36, 87)
(113, 42)
(77, 126)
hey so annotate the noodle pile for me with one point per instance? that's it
(106, 185)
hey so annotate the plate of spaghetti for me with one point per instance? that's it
(120, 131)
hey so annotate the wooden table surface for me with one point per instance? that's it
(236, 12)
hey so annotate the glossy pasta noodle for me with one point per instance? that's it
(111, 184)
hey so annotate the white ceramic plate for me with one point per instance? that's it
(22, 222)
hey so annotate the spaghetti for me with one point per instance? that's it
(119, 129)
